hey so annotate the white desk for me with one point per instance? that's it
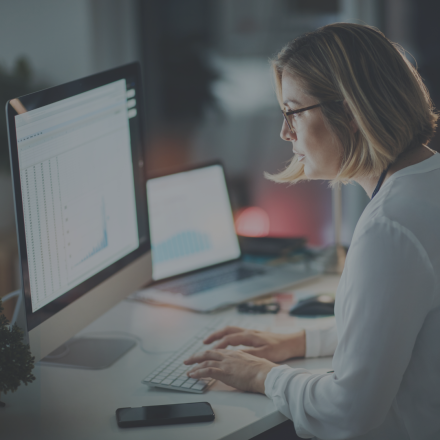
(80, 404)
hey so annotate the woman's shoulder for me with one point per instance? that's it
(410, 199)
(403, 222)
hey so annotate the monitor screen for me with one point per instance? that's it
(191, 222)
(77, 187)
(77, 161)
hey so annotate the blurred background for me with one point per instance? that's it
(209, 92)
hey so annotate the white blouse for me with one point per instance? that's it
(386, 340)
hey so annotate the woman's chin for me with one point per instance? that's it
(310, 174)
(315, 174)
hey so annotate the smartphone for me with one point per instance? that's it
(164, 414)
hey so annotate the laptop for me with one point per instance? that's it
(197, 260)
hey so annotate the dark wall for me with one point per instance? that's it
(427, 39)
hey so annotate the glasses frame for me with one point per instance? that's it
(300, 110)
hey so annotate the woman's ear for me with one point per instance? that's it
(353, 125)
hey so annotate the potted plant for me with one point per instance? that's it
(16, 361)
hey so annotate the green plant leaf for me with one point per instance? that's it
(16, 360)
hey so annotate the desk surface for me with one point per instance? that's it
(66, 403)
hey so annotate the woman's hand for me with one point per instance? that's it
(271, 346)
(233, 367)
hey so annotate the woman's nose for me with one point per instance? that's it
(286, 133)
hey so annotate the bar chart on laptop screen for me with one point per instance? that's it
(191, 222)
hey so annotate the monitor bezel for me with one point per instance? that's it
(50, 96)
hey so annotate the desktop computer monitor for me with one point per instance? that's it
(76, 155)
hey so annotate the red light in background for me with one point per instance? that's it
(252, 222)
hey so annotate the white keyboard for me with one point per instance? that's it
(172, 373)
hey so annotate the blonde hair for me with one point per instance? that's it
(378, 89)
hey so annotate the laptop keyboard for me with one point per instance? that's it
(171, 374)
(199, 284)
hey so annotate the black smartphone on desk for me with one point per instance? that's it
(164, 414)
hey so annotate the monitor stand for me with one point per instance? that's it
(88, 353)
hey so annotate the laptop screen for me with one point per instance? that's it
(191, 222)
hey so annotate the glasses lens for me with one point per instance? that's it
(288, 122)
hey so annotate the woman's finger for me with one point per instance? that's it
(242, 338)
(213, 373)
(221, 333)
(206, 364)
(215, 355)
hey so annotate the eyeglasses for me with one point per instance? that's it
(294, 112)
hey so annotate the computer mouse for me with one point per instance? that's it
(318, 305)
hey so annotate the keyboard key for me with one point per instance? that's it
(199, 284)
(199, 386)
(174, 372)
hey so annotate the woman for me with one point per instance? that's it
(356, 110)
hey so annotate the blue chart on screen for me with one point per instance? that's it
(180, 245)
(103, 241)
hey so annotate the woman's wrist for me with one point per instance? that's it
(298, 344)
(296, 348)
(261, 376)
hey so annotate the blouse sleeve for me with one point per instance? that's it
(321, 342)
(388, 289)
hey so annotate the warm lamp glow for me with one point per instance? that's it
(252, 222)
